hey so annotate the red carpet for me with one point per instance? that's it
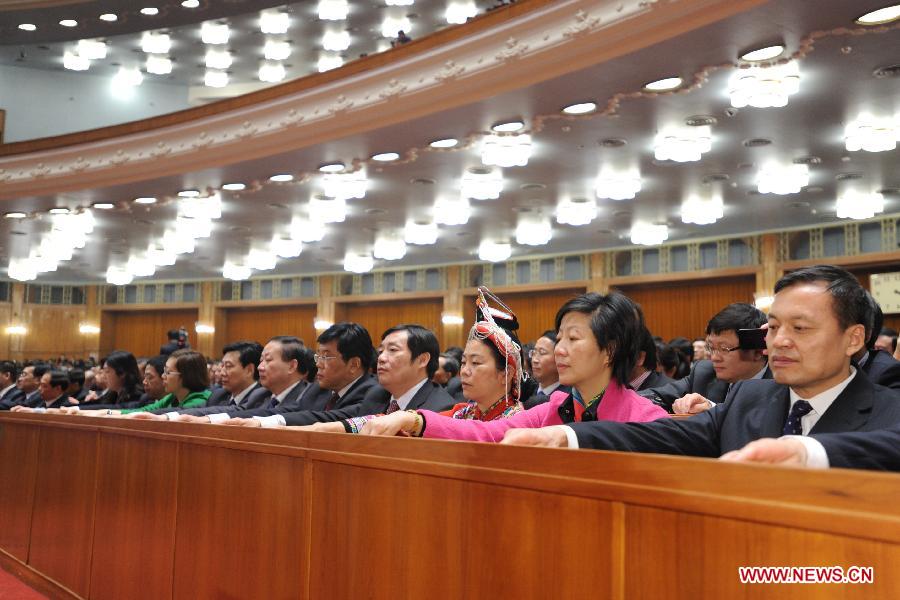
(13, 589)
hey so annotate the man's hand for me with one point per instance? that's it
(146, 416)
(783, 451)
(691, 404)
(243, 422)
(391, 424)
(21, 409)
(547, 437)
(191, 419)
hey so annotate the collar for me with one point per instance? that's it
(240, 397)
(6, 390)
(407, 396)
(347, 387)
(501, 409)
(549, 389)
(55, 400)
(862, 361)
(762, 372)
(821, 402)
(280, 397)
(639, 380)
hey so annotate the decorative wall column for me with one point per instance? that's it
(597, 273)
(208, 342)
(325, 308)
(92, 317)
(452, 333)
(769, 272)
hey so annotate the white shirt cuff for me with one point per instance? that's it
(172, 415)
(273, 421)
(570, 436)
(218, 417)
(816, 457)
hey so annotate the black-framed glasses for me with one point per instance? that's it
(722, 350)
(323, 358)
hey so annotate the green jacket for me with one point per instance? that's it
(192, 400)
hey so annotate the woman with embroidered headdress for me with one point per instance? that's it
(598, 343)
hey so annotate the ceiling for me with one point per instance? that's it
(837, 83)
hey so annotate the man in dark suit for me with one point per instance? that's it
(644, 375)
(708, 382)
(53, 390)
(28, 382)
(878, 365)
(447, 376)
(10, 394)
(543, 369)
(816, 324)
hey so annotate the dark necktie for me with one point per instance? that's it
(798, 411)
(234, 401)
(273, 401)
(393, 406)
(332, 401)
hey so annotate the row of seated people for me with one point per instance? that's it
(808, 397)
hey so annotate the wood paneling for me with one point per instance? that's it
(143, 332)
(536, 311)
(53, 331)
(684, 309)
(377, 317)
(18, 468)
(263, 323)
(135, 518)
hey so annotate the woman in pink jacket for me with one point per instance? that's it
(598, 342)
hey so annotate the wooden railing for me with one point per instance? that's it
(104, 508)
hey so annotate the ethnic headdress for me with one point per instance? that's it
(492, 325)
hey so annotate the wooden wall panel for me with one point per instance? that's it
(135, 518)
(380, 316)
(683, 309)
(264, 323)
(53, 331)
(143, 332)
(62, 523)
(536, 311)
(18, 455)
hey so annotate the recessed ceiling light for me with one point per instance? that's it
(27, 26)
(580, 108)
(664, 85)
(880, 16)
(15, 215)
(508, 126)
(68, 23)
(109, 17)
(385, 156)
(281, 177)
(766, 53)
(150, 11)
(145, 200)
(188, 194)
(103, 205)
(445, 143)
(58, 211)
(331, 167)
(234, 187)
(191, 3)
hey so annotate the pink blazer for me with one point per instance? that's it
(618, 404)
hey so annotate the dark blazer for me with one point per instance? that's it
(314, 398)
(255, 398)
(454, 388)
(430, 396)
(883, 369)
(540, 398)
(754, 409)
(701, 380)
(261, 397)
(654, 380)
(219, 396)
(59, 402)
(879, 450)
(33, 400)
(13, 397)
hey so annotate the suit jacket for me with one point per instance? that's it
(430, 396)
(314, 399)
(654, 380)
(259, 397)
(13, 397)
(883, 369)
(540, 398)
(701, 380)
(879, 450)
(254, 398)
(33, 400)
(454, 388)
(59, 402)
(754, 409)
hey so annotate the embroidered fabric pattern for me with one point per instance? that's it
(501, 409)
(487, 329)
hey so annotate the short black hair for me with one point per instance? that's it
(456, 352)
(76, 376)
(739, 315)
(648, 347)
(353, 341)
(40, 369)
(451, 365)
(306, 364)
(668, 357)
(191, 365)
(616, 322)
(158, 363)
(419, 340)
(58, 379)
(10, 369)
(884, 331)
(550, 335)
(249, 353)
(848, 298)
(875, 322)
(292, 348)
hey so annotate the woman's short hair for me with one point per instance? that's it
(191, 365)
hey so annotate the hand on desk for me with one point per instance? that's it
(787, 452)
(391, 424)
(243, 422)
(146, 416)
(191, 419)
(547, 437)
(21, 409)
(691, 404)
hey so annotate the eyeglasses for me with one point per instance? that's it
(323, 358)
(721, 350)
(167, 372)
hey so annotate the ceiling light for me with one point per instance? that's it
(389, 247)
(193, 227)
(176, 243)
(452, 211)
(91, 49)
(423, 233)
(322, 324)
(58, 211)
(333, 10)
(764, 87)
(150, 11)
(145, 200)
(215, 78)
(399, 2)
(649, 235)
(271, 72)
(43, 263)
(702, 211)
(482, 184)
(445, 143)
(327, 210)
(494, 251)
(287, 247)
(22, 269)
(127, 78)
(218, 59)
(576, 211)
(158, 65)
(618, 185)
(328, 62)
(27, 27)
(460, 12)
(782, 179)
(190, 3)
(358, 262)
(188, 194)
(88, 329)
(209, 207)
(275, 22)
(682, 143)
(853, 204)
(261, 260)
(214, 33)
(880, 16)
(75, 62)
(506, 150)
(109, 17)
(204, 328)
(336, 40)
(872, 134)
(307, 230)
(664, 85)
(118, 276)
(15, 215)
(508, 127)
(274, 50)
(385, 156)
(16, 329)
(69, 23)
(331, 167)
(281, 177)
(155, 43)
(160, 256)
(234, 187)
(767, 53)
(345, 186)
(140, 267)
(534, 232)
(580, 109)
(236, 272)
(392, 26)
(103, 205)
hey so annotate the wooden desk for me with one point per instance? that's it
(108, 508)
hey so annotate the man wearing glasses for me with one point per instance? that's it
(709, 380)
